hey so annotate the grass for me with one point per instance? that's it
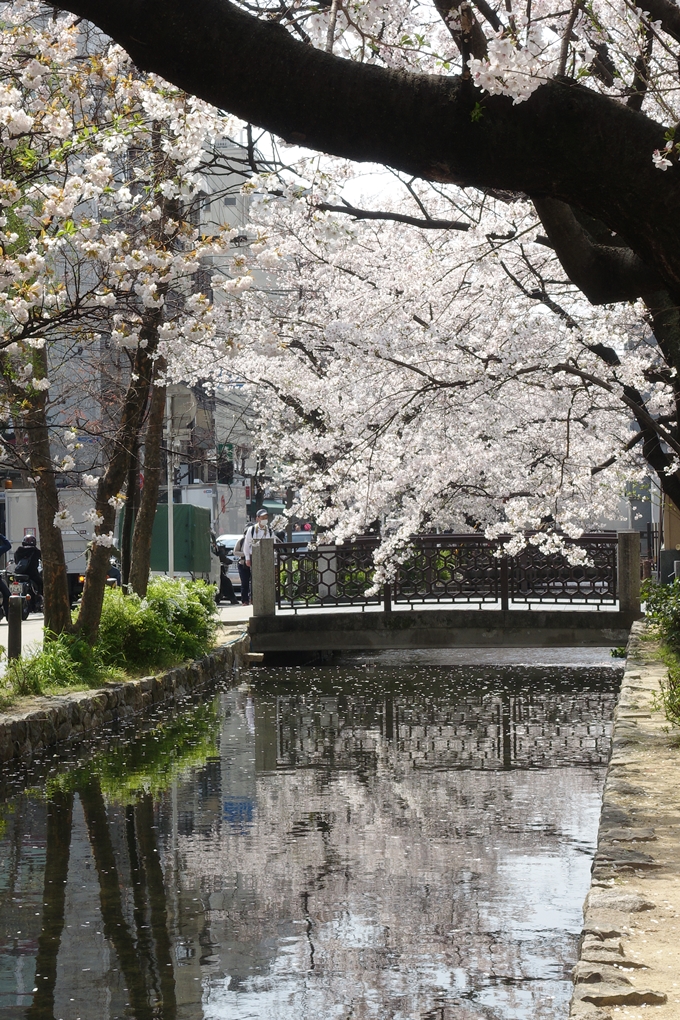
(175, 622)
(63, 663)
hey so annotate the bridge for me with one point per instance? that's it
(455, 591)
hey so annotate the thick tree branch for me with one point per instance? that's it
(642, 415)
(637, 438)
(464, 28)
(668, 13)
(413, 221)
(640, 83)
(605, 273)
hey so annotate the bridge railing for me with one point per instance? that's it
(446, 569)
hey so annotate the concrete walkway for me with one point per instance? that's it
(31, 633)
(629, 967)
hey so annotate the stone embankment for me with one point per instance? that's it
(41, 723)
(629, 964)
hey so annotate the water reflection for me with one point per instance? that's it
(344, 842)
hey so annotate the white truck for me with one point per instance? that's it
(21, 519)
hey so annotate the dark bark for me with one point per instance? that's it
(565, 142)
(413, 221)
(465, 30)
(57, 852)
(605, 273)
(146, 515)
(668, 13)
(33, 414)
(111, 483)
(129, 515)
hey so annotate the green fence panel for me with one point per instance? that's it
(192, 538)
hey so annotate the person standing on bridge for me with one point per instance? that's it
(260, 529)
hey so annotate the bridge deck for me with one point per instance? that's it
(439, 628)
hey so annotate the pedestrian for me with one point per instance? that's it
(5, 546)
(260, 529)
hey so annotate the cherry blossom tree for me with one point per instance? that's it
(434, 378)
(570, 106)
(99, 252)
(568, 111)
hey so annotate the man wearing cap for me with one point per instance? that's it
(260, 529)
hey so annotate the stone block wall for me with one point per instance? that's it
(49, 721)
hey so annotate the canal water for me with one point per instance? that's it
(384, 837)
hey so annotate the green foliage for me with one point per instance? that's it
(63, 662)
(173, 623)
(663, 610)
(176, 621)
(619, 652)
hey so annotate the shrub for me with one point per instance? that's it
(663, 610)
(175, 621)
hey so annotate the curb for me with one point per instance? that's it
(70, 719)
(628, 958)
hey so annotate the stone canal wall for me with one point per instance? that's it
(43, 722)
(630, 947)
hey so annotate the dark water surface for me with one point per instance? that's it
(376, 839)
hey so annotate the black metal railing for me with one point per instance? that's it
(446, 569)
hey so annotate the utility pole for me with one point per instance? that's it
(171, 486)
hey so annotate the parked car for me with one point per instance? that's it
(301, 539)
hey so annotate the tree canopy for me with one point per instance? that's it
(581, 139)
(546, 130)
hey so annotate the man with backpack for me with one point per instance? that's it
(244, 549)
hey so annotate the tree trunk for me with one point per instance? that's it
(33, 415)
(141, 538)
(114, 477)
(131, 489)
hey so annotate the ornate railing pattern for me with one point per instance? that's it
(446, 569)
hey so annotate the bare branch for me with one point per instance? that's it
(413, 221)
